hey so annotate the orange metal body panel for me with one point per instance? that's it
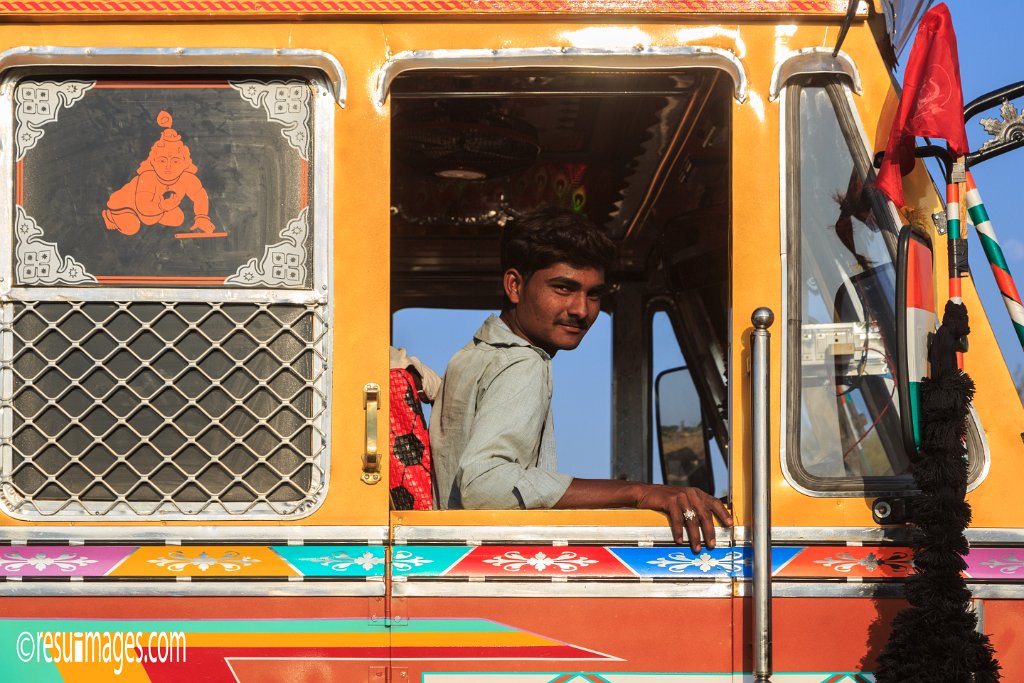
(1004, 621)
(650, 634)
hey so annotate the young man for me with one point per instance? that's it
(491, 431)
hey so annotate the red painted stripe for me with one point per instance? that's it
(1006, 284)
(143, 280)
(209, 665)
(260, 7)
(164, 85)
(920, 285)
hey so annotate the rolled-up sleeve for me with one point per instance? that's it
(498, 466)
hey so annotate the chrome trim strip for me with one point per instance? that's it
(176, 535)
(793, 589)
(45, 55)
(897, 535)
(559, 589)
(986, 452)
(782, 589)
(270, 589)
(564, 57)
(813, 60)
(607, 535)
(997, 592)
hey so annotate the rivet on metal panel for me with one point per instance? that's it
(401, 673)
(377, 610)
(399, 612)
(939, 219)
(376, 674)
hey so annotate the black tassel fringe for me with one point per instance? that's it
(935, 639)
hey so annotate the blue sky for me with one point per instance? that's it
(988, 36)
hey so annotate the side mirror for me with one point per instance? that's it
(916, 320)
(682, 439)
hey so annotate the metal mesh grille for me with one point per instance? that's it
(176, 409)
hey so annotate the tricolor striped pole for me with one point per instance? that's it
(957, 244)
(957, 250)
(996, 259)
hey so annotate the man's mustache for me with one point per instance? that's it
(574, 322)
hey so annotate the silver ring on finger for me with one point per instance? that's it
(689, 515)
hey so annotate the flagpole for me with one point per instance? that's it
(956, 242)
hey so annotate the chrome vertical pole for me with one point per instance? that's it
(761, 540)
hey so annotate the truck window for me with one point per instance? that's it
(165, 331)
(844, 422)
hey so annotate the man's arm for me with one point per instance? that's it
(674, 501)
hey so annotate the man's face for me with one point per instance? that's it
(556, 306)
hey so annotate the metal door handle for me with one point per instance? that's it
(371, 458)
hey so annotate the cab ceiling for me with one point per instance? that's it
(473, 150)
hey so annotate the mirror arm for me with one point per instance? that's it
(924, 152)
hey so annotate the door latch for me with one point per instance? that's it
(371, 457)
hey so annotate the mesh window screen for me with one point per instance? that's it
(147, 408)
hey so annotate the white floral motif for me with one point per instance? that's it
(283, 263)
(405, 561)
(66, 561)
(178, 561)
(845, 562)
(567, 561)
(341, 560)
(38, 104)
(1008, 564)
(39, 262)
(285, 102)
(678, 563)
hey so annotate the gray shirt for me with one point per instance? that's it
(491, 431)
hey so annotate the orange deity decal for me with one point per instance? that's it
(154, 195)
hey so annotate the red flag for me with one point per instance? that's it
(932, 104)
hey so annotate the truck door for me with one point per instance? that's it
(593, 594)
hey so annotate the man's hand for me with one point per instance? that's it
(687, 508)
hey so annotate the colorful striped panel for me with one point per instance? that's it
(536, 562)
(60, 562)
(216, 561)
(225, 562)
(211, 646)
(333, 560)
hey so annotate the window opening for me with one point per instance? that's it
(683, 427)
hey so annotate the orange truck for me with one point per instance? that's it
(194, 379)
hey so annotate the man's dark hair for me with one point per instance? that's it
(548, 236)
